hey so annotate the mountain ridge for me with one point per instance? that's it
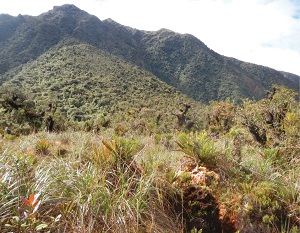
(180, 60)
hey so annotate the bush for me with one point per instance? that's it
(199, 147)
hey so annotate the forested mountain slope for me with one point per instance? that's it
(86, 84)
(180, 60)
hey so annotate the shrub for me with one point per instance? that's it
(199, 147)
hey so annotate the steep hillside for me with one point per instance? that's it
(86, 83)
(8, 25)
(292, 77)
(189, 65)
(35, 35)
(181, 61)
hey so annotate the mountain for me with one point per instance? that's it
(88, 84)
(294, 78)
(179, 60)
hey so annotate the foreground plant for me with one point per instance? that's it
(27, 221)
(199, 147)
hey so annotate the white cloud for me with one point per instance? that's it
(265, 32)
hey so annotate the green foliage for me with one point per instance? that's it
(122, 151)
(42, 147)
(265, 118)
(90, 92)
(19, 110)
(181, 61)
(94, 180)
(122, 177)
(221, 117)
(199, 147)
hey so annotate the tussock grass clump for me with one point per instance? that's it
(101, 184)
(199, 147)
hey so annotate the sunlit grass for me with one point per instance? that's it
(89, 189)
(88, 182)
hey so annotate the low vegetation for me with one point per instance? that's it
(237, 171)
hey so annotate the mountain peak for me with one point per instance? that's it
(66, 7)
(65, 10)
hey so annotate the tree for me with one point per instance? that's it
(19, 111)
(182, 119)
(265, 118)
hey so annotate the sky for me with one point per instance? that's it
(264, 32)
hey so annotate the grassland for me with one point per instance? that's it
(239, 173)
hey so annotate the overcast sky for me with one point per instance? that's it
(265, 32)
